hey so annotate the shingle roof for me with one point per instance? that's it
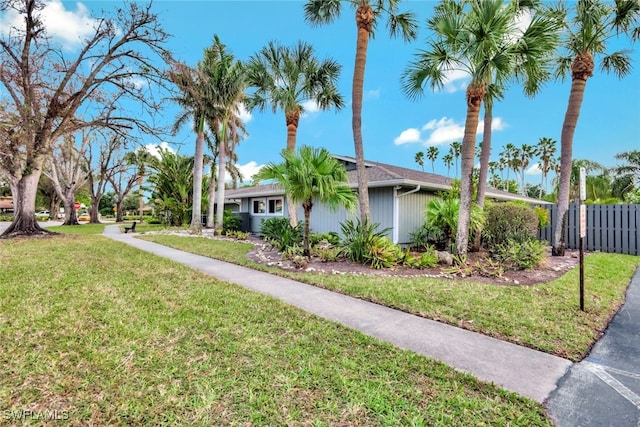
(380, 175)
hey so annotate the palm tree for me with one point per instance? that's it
(506, 157)
(227, 81)
(432, 154)
(285, 78)
(368, 13)
(476, 37)
(448, 162)
(194, 90)
(593, 24)
(631, 169)
(311, 174)
(419, 159)
(455, 149)
(523, 157)
(545, 150)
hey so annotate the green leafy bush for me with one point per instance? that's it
(543, 216)
(427, 259)
(426, 236)
(332, 238)
(522, 254)
(442, 214)
(6, 218)
(509, 221)
(358, 239)
(230, 222)
(279, 232)
(383, 253)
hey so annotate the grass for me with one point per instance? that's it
(545, 317)
(105, 334)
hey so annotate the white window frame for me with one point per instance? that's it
(275, 200)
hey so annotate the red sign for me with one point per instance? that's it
(76, 205)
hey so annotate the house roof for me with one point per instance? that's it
(380, 175)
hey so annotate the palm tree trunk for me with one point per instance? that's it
(475, 94)
(292, 118)
(484, 165)
(196, 213)
(580, 74)
(212, 197)
(222, 159)
(306, 251)
(364, 21)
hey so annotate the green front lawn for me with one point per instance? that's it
(545, 317)
(105, 334)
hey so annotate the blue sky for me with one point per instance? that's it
(394, 128)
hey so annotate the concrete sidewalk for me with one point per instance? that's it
(527, 372)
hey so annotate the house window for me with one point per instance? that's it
(275, 206)
(259, 207)
(267, 206)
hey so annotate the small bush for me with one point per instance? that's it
(543, 216)
(523, 254)
(426, 236)
(328, 254)
(280, 233)
(230, 222)
(154, 221)
(332, 238)
(509, 221)
(358, 238)
(383, 253)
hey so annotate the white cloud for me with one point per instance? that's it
(372, 94)
(534, 170)
(456, 80)
(408, 136)
(310, 106)
(445, 130)
(153, 149)
(248, 170)
(245, 115)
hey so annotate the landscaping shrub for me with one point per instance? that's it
(332, 238)
(358, 239)
(426, 236)
(280, 233)
(519, 254)
(383, 253)
(428, 259)
(442, 214)
(509, 221)
(543, 216)
(6, 218)
(230, 222)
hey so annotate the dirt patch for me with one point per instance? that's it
(479, 267)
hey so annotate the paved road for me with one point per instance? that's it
(604, 388)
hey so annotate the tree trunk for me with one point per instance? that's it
(475, 94)
(196, 212)
(307, 205)
(364, 20)
(70, 217)
(93, 210)
(222, 158)
(484, 166)
(582, 69)
(141, 196)
(212, 198)
(292, 131)
(24, 207)
(54, 206)
(118, 210)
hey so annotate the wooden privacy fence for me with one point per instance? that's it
(610, 228)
